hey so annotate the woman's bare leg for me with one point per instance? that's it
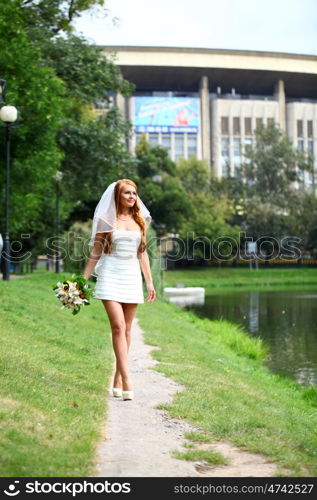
(117, 321)
(129, 311)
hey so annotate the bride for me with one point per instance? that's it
(117, 258)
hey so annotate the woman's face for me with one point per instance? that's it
(128, 196)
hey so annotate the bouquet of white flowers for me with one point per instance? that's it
(73, 294)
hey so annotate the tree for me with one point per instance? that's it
(153, 160)
(211, 213)
(267, 182)
(93, 145)
(94, 156)
(89, 75)
(272, 165)
(56, 81)
(160, 187)
(181, 200)
(55, 15)
(303, 220)
(39, 95)
(194, 175)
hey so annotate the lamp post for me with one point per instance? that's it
(58, 177)
(9, 115)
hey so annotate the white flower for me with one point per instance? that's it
(69, 295)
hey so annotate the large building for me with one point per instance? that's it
(208, 102)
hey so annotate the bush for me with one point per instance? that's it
(76, 250)
(155, 262)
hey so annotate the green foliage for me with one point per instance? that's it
(93, 144)
(155, 262)
(172, 208)
(303, 219)
(55, 15)
(181, 200)
(38, 94)
(211, 213)
(266, 200)
(55, 83)
(89, 75)
(271, 165)
(160, 188)
(153, 160)
(194, 175)
(75, 246)
(94, 155)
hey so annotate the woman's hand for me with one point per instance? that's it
(152, 293)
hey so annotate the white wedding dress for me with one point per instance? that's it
(119, 274)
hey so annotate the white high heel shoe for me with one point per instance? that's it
(127, 395)
(117, 392)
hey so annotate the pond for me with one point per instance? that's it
(286, 319)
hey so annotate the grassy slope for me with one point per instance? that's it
(55, 369)
(211, 277)
(228, 392)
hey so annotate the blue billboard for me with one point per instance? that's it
(166, 114)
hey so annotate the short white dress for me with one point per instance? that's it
(119, 274)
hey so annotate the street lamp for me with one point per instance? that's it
(9, 115)
(58, 178)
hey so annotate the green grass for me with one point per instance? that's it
(198, 437)
(213, 277)
(55, 370)
(229, 394)
(212, 457)
(235, 337)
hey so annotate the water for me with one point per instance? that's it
(286, 319)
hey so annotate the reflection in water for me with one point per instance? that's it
(190, 300)
(253, 312)
(286, 321)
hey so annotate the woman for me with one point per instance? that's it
(117, 258)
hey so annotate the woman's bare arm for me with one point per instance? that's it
(146, 270)
(145, 266)
(95, 254)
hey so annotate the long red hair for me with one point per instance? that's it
(136, 214)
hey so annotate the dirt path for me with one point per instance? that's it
(138, 438)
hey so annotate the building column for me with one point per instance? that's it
(129, 114)
(216, 137)
(279, 94)
(204, 118)
(124, 104)
(120, 103)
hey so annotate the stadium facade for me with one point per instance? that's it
(208, 102)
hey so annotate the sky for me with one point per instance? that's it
(264, 25)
